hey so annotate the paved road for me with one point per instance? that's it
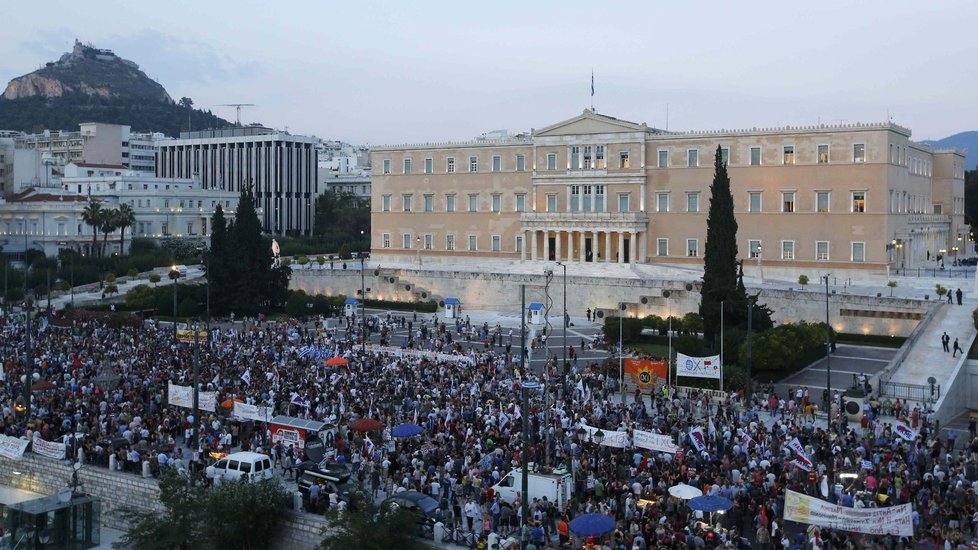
(846, 361)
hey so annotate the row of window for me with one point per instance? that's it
(588, 157)
(148, 203)
(142, 228)
(857, 249)
(496, 165)
(407, 203)
(426, 242)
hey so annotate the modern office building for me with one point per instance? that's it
(598, 189)
(96, 142)
(280, 168)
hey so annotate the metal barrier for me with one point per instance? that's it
(911, 392)
(934, 272)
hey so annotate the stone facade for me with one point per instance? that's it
(598, 189)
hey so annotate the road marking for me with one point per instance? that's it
(853, 357)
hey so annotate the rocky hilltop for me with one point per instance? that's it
(89, 84)
(89, 71)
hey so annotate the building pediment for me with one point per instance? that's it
(590, 122)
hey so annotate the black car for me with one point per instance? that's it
(335, 478)
(420, 504)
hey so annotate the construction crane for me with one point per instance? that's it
(237, 108)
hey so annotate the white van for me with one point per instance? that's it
(247, 465)
(558, 487)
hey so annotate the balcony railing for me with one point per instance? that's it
(634, 217)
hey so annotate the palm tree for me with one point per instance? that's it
(125, 217)
(108, 225)
(92, 215)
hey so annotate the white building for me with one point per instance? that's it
(280, 168)
(344, 168)
(51, 219)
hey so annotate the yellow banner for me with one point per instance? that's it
(187, 335)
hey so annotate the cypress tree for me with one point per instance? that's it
(720, 254)
(252, 259)
(218, 272)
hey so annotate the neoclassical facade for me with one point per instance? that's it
(598, 189)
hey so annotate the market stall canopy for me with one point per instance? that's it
(710, 503)
(406, 430)
(366, 425)
(592, 525)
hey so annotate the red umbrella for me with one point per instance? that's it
(336, 361)
(366, 425)
(43, 385)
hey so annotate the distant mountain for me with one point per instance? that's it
(968, 141)
(89, 84)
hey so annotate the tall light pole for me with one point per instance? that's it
(828, 352)
(563, 334)
(28, 358)
(207, 267)
(751, 300)
(174, 275)
(760, 269)
(621, 351)
(363, 300)
(418, 242)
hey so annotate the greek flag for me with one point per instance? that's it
(312, 352)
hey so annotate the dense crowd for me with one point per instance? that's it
(110, 389)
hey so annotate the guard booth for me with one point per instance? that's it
(453, 308)
(536, 313)
(350, 307)
(65, 520)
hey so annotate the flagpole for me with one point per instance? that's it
(721, 345)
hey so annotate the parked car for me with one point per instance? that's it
(247, 465)
(419, 504)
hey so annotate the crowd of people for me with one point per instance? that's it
(110, 383)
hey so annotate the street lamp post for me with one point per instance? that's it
(196, 409)
(751, 300)
(418, 242)
(28, 362)
(760, 269)
(563, 334)
(174, 275)
(621, 352)
(207, 267)
(363, 299)
(828, 352)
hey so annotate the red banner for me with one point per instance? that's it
(646, 373)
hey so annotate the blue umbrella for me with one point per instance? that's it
(592, 525)
(406, 430)
(711, 503)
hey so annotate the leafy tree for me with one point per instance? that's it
(154, 278)
(220, 262)
(177, 527)
(132, 273)
(372, 529)
(302, 260)
(232, 515)
(320, 260)
(693, 323)
(803, 280)
(110, 289)
(892, 285)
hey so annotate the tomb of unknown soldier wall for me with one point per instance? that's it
(500, 292)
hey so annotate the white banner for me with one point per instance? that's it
(698, 367)
(48, 448)
(12, 447)
(253, 412)
(183, 396)
(611, 439)
(894, 520)
(429, 355)
(654, 442)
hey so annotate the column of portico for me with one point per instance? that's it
(533, 245)
(559, 236)
(639, 251)
(546, 246)
(582, 255)
(621, 247)
(607, 246)
(523, 248)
